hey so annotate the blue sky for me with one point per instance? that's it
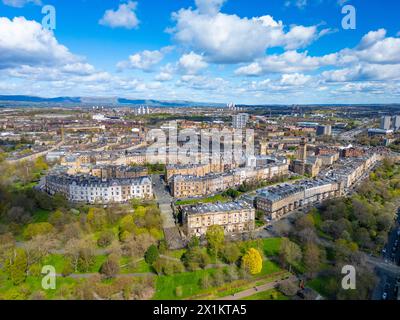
(254, 51)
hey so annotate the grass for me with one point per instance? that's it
(58, 261)
(212, 199)
(320, 284)
(139, 267)
(268, 268)
(272, 294)
(41, 215)
(188, 281)
(271, 246)
(33, 284)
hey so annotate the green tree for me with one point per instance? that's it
(312, 258)
(231, 252)
(151, 255)
(290, 253)
(215, 238)
(16, 264)
(36, 229)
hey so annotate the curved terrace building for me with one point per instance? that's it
(94, 190)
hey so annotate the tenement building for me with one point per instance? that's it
(197, 170)
(234, 217)
(195, 186)
(281, 199)
(94, 190)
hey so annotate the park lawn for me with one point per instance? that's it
(188, 281)
(272, 246)
(320, 284)
(8, 291)
(269, 267)
(55, 260)
(58, 261)
(272, 294)
(140, 267)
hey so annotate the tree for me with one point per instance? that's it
(127, 223)
(67, 268)
(288, 288)
(16, 264)
(195, 258)
(215, 238)
(151, 255)
(205, 281)
(18, 215)
(105, 239)
(96, 218)
(252, 261)
(36, 229)
(312, 258)
(110, 267)
(290, 253)
(194, 242)
(231, 253)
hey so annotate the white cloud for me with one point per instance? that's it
(21, 3)
(287, 62)
(163, 76)
(24, 42)
(209, 6)
(123, 17)
(191, 63)
(144, 60)
(364, 72)
(295, 79)
(224, 38)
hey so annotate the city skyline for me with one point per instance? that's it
(218, 51)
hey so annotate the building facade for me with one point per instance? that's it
(279, 200)
(93, 190)
(234, 217)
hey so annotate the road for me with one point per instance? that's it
(387, 266)
(258, 289)
(164, 201)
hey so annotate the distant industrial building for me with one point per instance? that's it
(386, 123)
(324, 130)
(379, 132)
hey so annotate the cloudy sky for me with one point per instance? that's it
(242, 51)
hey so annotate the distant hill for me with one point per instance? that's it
(39, 99)
(99, 100)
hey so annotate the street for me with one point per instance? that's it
(388, 266)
